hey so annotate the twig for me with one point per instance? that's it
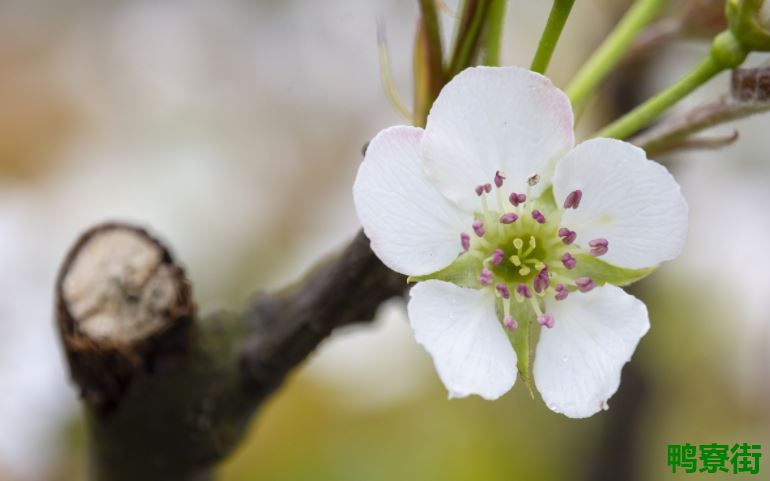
(286, 327)
(749, 95)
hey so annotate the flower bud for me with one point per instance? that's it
(749, 21)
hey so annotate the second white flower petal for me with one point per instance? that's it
(488, 119)
(627, 199)
(578, 361)
(460, 329)
(413, 229)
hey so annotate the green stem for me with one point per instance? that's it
(612, 49)
(642, 115)
(427, 61)
(429, 19)
(494, 32)
(467, 42)
(553, 27)
(726, 53)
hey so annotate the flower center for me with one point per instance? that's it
(525, 254)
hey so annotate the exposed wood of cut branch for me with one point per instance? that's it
(168, 395)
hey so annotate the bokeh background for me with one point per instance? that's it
(233, 129)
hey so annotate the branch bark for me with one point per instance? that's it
(288, 326)
(167, 395)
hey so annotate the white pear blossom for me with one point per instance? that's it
(506, 224)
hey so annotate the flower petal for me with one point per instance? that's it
(460, 329)
(578, 361)
(629, 200)
(413, 229)
(488, 119)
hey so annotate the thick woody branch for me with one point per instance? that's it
(288, 326)
(168, 394)
(121, 303)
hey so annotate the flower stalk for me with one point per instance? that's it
(556, 20)
(726, 53)
(386, 76)
(494, 35)
(468, 35)
(612, 49)
(428, 61)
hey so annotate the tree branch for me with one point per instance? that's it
(168, 395)
(288, 326)
(749, 95)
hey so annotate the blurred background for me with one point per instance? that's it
(234, 129)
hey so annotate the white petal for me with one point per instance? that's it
(413, 229)
(578, 361)
(629, 200)
(460, 329)
(488, 119)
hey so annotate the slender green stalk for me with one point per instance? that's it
(468, 35)
(494, 34)
(727, 52)
(429, 20)
(642, 115)
(387, 78)
(428, 62)
(553, 27)
(612, 49)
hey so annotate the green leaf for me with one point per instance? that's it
(520, 338)
(602, 272)
(462, 272)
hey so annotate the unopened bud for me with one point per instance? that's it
(749, 22)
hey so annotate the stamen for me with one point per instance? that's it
(568, 261)
(585, 284)
(546, 320)
(465, 240)
(515, 260)
(508, 320)
(573, 199)
(518, 244)
(538, 216)
(542, 280)
(524, 291)
(478, 228)
(485, 278)
(502, 289)
(500, 201)
(517, 199)
(487, 188)
(524, 270)
(509, 218)
(533, 180)
(510, 323)
(499, 178)
(567, 236)
(479, 190)
(485, 206)
(561, 292)
(497, 257)
(599, 247)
